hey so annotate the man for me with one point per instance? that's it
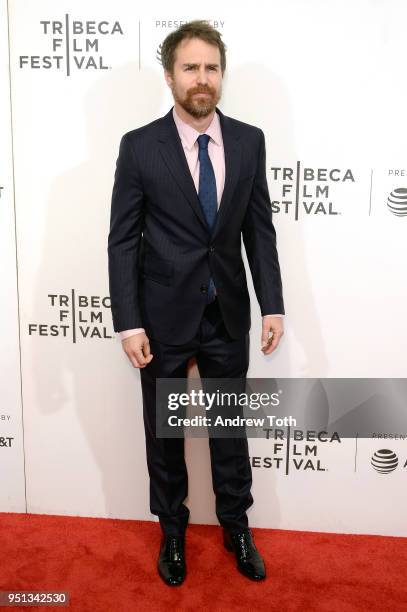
(187, 187)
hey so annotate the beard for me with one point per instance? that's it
(198, 106)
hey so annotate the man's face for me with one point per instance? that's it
(196, 82)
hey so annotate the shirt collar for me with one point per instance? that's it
(188, 134)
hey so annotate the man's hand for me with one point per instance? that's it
(274, 325)
(137, 349)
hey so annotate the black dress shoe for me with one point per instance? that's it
(249, 560)
(171, 561)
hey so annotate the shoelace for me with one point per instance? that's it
(174, 548)
(242, 540)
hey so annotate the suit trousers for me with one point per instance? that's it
(218, 356)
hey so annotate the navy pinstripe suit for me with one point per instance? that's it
(161, 256)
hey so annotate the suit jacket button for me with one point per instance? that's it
(204, 288)
(211, 249)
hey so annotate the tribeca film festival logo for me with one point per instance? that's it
(308, 191)
(311, 191)
(171, 24)
(299, 452)
(74, 45)
(76, 316)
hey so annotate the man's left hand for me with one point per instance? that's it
(274, 325)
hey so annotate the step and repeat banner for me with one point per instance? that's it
(12, 493)
(325, 83)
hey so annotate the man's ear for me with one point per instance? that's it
(168, 77)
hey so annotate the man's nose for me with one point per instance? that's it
(202, 76)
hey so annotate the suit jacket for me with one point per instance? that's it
(161, 252)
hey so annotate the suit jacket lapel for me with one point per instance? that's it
(173, 154)
(232, 149)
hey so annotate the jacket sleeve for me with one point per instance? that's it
(126, 224)
(259, 237)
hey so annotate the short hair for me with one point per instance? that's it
(199, 28)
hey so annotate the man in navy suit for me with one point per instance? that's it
(187, 188)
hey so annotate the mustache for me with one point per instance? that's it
(202, 89)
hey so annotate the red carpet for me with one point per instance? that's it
(110, 566)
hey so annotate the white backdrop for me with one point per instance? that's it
(325, 81)
(12, 493)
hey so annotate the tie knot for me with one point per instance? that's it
(203, 140)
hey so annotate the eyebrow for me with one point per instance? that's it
(194, 64)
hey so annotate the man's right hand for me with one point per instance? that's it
(137, 349)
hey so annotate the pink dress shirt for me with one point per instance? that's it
(188, 136)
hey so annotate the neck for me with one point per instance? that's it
(200, 124)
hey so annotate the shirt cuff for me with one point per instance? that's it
(130, 332)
